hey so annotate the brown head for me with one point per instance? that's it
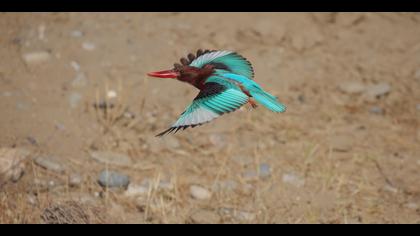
(186, 73)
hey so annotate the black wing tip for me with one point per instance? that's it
(170, 130)
(177, 128)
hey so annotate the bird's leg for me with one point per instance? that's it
(252, 102)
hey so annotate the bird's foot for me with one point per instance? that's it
(252, 103)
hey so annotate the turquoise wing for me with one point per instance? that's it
(214, 100)
(267, 100)
(256, 91)
(225, 60)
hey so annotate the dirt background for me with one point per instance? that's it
(75, 83)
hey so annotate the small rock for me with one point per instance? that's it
(12, 165)
(205, 217)
(76, 33)
(32, 200)
(75, 180)
(88, 46)
(341, 143)
(352, 87)
(199, 192)
(112, 179)
(265, 170)
(218, 140)
(60, 126)
(129, 115)
(378, 90)
(390, 188)
(136, 190)
(7, 94)
(376, 110)
(293, 179)
(111, 158)
(49, 164)
(74, 99)
(224, 211)
(111, 94)
(75, 66)
(79, 81)
(36, 57)
(418, 107)
(412, 206)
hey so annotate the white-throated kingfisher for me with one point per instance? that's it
(225, 81)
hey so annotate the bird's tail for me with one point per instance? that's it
(268, 100)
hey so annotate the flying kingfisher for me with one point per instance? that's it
(225, 81)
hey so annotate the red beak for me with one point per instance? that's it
(164, 74)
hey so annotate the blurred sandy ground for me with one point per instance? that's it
(347, 149)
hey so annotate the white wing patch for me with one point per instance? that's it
(208, 57)
(199, 116)
(231, 98)
(200, 112)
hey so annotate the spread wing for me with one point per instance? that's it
(221, 60)
(214, 100)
